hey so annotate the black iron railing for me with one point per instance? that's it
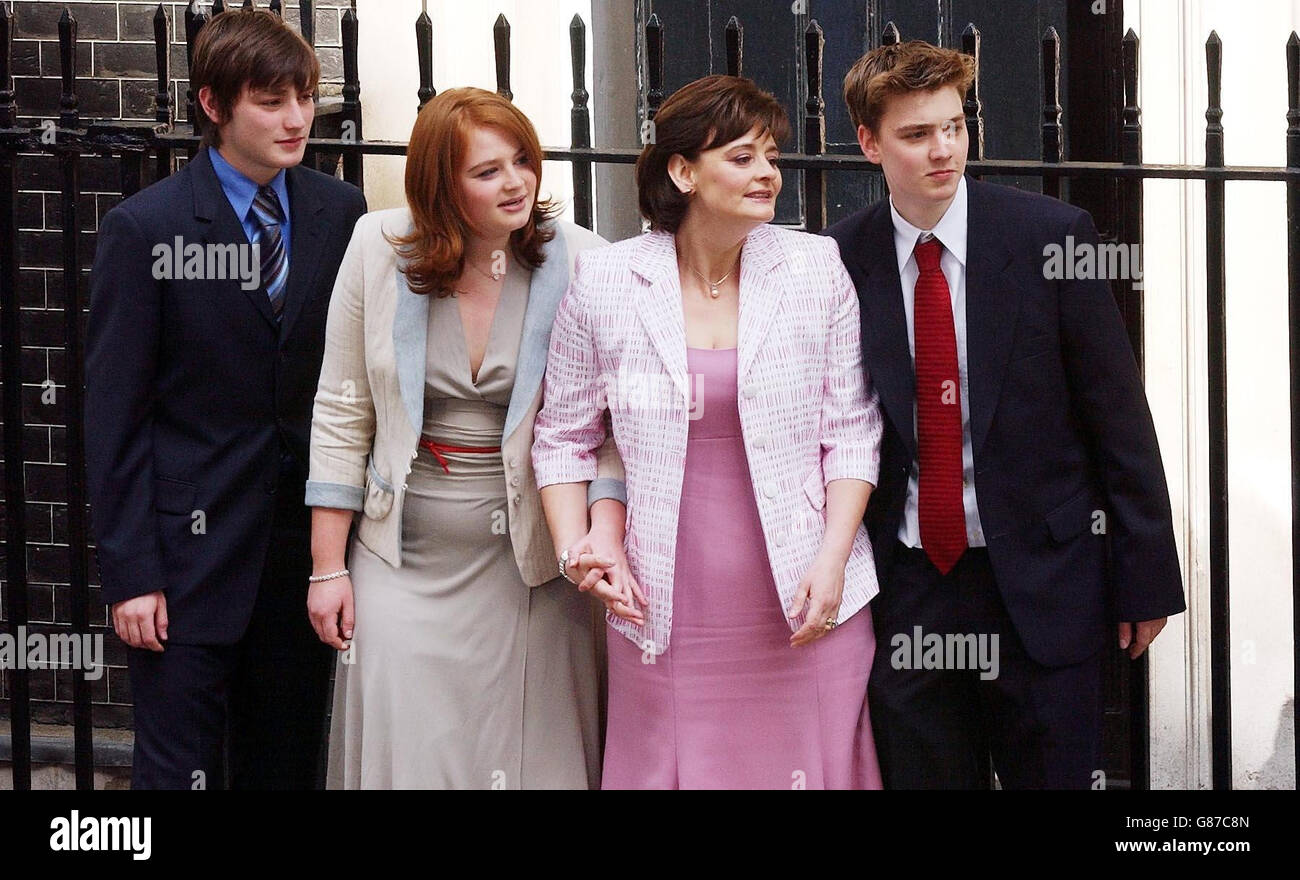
(149, 150)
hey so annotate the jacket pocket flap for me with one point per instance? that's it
(1072, 517)
(379, 493)
(173, 496)
(815, 488)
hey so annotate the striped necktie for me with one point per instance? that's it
(268, 215)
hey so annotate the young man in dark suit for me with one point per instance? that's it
(1022, 524)
(207, 322)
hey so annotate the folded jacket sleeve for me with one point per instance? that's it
(609, 482)
(343, 417)
(570, 427)
(851, 421)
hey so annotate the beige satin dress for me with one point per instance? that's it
(460, 675)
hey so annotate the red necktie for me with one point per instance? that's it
(938, 414)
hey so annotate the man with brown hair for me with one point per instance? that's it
(1022, 512)
(207, 322)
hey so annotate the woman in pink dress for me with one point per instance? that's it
(727, 353)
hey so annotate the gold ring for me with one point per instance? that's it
(830, 623)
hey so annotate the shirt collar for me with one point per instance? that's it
(950, 230)
(240, 190)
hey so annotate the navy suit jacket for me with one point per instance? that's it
(196, 401)
(1059, 424)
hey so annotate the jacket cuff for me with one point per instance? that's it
(145, 576)
(842, 468)
(606, 487)
(549, 472)
(873, 470)
(338, 495)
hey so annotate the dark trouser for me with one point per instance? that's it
(936, 727)
(249, 715)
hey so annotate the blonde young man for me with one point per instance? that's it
(1022, 514)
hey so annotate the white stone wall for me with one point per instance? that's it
(541, 77)
(1173, 100)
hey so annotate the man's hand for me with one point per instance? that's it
(1147, 630)
(142, 622)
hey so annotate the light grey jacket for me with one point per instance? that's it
(369, 407)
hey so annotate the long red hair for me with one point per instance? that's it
(434, 250)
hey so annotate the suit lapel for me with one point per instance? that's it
(992, 307)
(305, 209)
(212, 207)
(761, 288)
(410, 338)
(885, 350)
(659, 306)
(545, 290)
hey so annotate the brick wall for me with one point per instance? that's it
(116, 81)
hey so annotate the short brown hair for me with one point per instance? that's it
(434, 250)
(898, 69)
(699, 116)
(246, 47)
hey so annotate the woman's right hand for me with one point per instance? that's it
(329, 606)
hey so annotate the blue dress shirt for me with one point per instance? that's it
(240, 191)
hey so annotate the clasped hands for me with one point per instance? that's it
(597, 563)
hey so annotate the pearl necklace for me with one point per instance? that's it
(713, 285)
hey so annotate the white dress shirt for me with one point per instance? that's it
(951, 232)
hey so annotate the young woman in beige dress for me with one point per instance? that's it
(466, 661)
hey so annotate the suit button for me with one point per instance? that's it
(269, 486)
(514, 462)
(751, 391)
(514, 481)
(517, 498)
(769, 489)
(415, 455)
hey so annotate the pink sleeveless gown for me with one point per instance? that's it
(730, 704)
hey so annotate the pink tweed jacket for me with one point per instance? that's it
(807, 412)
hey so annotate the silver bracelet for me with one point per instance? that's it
(564, 567)
(317, 578)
